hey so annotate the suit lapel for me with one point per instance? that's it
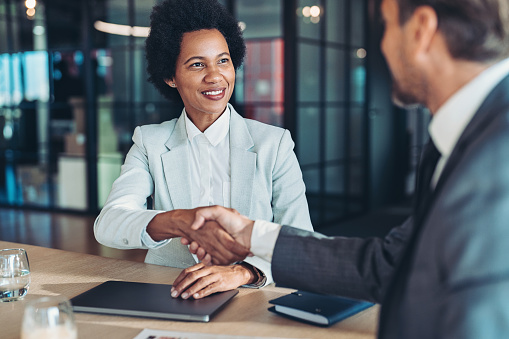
(495, 103)
(242, 164)
(176, 166)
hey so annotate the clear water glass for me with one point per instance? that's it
(49, 317)
(14, 274)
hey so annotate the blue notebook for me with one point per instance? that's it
(317, 309)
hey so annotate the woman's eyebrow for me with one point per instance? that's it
(194, 57)
(203, 58)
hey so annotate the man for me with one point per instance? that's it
(444, 273)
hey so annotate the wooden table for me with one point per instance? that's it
(69, 273)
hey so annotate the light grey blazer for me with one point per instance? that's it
(266, 183)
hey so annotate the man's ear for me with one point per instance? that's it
(171, 82)
(422, 29)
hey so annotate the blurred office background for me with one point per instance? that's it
(73, 88)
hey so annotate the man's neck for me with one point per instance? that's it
(449, 78)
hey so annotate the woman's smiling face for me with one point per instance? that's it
(204, 73)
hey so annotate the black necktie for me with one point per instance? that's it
(423, 192)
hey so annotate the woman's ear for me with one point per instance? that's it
(171, 82)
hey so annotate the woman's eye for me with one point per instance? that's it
(197, 64)
(224, 61)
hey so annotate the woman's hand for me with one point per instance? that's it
(200, 281)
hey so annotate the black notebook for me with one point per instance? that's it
(317, 309)
(147, 300)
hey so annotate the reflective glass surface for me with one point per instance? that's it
(335, 75)
(331, 82)
(24, 124)
(357, 132)
(335, 134)
(272, 115)
(262, 76)
(49, 85)
(336, 25)
(358, 75)
(356, 179)
(308, 79)
(309, 18)
(308, 131)
(335, 179)
(312, 179)
(260, 19)
(358, 22)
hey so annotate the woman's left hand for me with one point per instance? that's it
(199, 280)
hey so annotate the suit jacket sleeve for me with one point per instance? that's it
(289, 204)
(125, 215)
(351, 267)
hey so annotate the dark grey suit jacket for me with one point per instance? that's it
(452, 281)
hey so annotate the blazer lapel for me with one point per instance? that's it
(242, 164)
(176, 166)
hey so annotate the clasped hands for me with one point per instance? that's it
(228, 225)
(218, 236)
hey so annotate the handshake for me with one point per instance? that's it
(218, 235)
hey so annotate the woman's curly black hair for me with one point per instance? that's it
(168, 23)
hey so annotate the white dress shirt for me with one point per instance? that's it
(445, 129)
(210, 162)
(209, 166)
(452, 118)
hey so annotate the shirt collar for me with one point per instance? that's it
(452, 118)
(215, 133)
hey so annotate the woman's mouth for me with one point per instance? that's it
(216, 94)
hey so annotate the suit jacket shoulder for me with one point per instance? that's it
(259, 129)
(154, 134)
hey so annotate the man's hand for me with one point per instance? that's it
(200, 281)
(216, 242)
(239, 226)
(211, 237)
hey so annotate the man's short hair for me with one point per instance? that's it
(475, 30)
(168, 23)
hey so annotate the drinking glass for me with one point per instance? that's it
(14, 274)
(49, 317)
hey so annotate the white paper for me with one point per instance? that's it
(160, 334)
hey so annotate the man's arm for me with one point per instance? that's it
(353, 267)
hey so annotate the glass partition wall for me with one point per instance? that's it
(73, 88)
(331, 106)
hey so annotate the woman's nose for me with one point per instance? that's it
(213, 75)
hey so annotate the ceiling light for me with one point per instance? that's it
(38, 30)
(314, 11)
(125, 30)
(361, 53)
(306, 11)
(30, 3)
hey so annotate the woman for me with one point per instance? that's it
(208, 156)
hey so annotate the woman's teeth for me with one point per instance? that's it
(213, 92)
